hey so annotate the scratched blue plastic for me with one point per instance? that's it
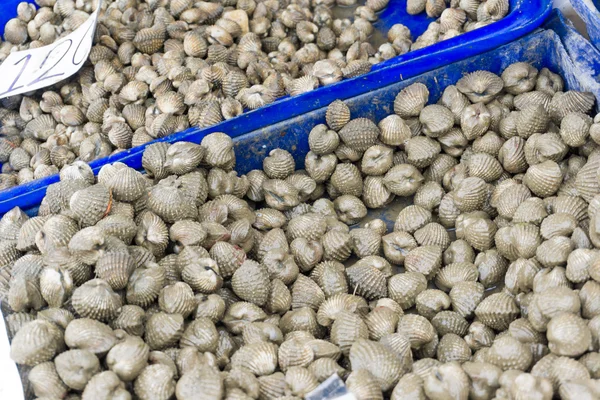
(542, 49)
(524, 17)
(589, 11)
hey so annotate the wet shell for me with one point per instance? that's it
(411, 100)
(367, 281)
(426, 260)
(394, 131)
(359, 134)
(396, 245)
(219, 150)
(543, 179)
(455, 273)
(177, 298)
(131, 319)
(251, 283)
(202, 275)
(163, 330)
(569, 102)
(412, 218)
(497, 311)
(519, 77)
(417, 329)
(480, 86)
(77, 367)
(323, 141)
(485, 166)
(279, 164)
(432, 234)
(91, 204)
(96, 299)
(150, 40)
(36, 342)
(436, 120)
(470, 194)
(145, 284)
(168, 201)
(422, 151)
(453, 348)
(449, 378)
(346, 329)
(155, 381)
(115, 269)
(128, 358)
(508, 353)
(46, 382)
(259, 358)
(568, 335)
(378, 359)
(91, 335)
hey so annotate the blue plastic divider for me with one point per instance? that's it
(524, 17)
(589, 12)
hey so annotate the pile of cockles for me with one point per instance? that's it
(193, 282)
(160, 67)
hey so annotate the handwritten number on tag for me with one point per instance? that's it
(43, 76)
(12, 85)
(84, 37)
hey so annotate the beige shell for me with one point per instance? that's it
(497, 311)
(508, 353)
(417, 329)
(409, 386)
(163, 330)
(338, 115)
(568, 335)
(453, 348)
(359, 134)
(394, 130)
(251, 283)
(431, 301)
(377, 359)
(77, 367)
(347, 329)
(91, 335)
(36, 342)
(259, 358)
(411, 100)
(425, 260)
(96, 299)
(155, 380)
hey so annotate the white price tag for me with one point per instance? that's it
(32, 69)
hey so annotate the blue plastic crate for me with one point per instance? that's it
(542, 49)
(524, 17)
(589, 11)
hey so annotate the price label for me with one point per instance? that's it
(33, 69)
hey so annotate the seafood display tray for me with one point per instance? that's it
(555, 48)
(589, 11)
(524, 17)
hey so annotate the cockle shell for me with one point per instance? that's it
(96, 299)
(91, 335)
(568, 335)
(377, 359)
(359, 134)
(480, 86)
(426, 260)
(77, 367)
(36, 342)
(508, 353)
(251, 283)
(411, 100)
(497, 311)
